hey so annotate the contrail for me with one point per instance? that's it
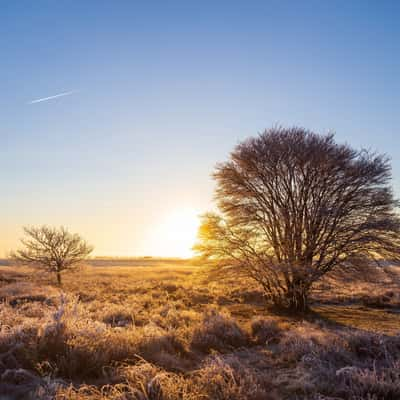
(52, 97)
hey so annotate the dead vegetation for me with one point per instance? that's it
(166, 333)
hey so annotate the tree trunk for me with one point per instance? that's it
(59, 278)
(297, 297)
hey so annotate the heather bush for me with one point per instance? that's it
(133, 382)
(366, 344)
(118, 316)
(265, 330)
(218, 332)
(223, 378)
(218, 379)
(369, 383)
(302, 340)
(165, 349)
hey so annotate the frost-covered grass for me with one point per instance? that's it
(166, 333)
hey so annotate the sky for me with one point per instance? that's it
(114, 113)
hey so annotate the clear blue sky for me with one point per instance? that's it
(164, 90)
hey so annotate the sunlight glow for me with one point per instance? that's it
(176, 233)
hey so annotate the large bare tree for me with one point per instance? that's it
(54, 249)
(293, 205)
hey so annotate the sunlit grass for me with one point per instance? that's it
(160, 329)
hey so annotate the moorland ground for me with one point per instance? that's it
(163, 329)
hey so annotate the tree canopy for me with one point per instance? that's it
(54, 249)
(293, 205)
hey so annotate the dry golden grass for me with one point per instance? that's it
(361, 317)
(155, 330)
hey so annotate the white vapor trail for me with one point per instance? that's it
(52, 97)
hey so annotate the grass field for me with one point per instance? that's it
(161, 329)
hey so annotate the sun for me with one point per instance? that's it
(176, 233)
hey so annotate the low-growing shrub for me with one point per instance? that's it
(166, 350)
(369, 383)
(118, 318)
(223, 378)
(366, 344)
(218, 332)
(265, 330)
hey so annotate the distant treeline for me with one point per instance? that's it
(135, 261)
(122, 261)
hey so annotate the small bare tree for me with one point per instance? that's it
(294, 205)
(54, 249)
